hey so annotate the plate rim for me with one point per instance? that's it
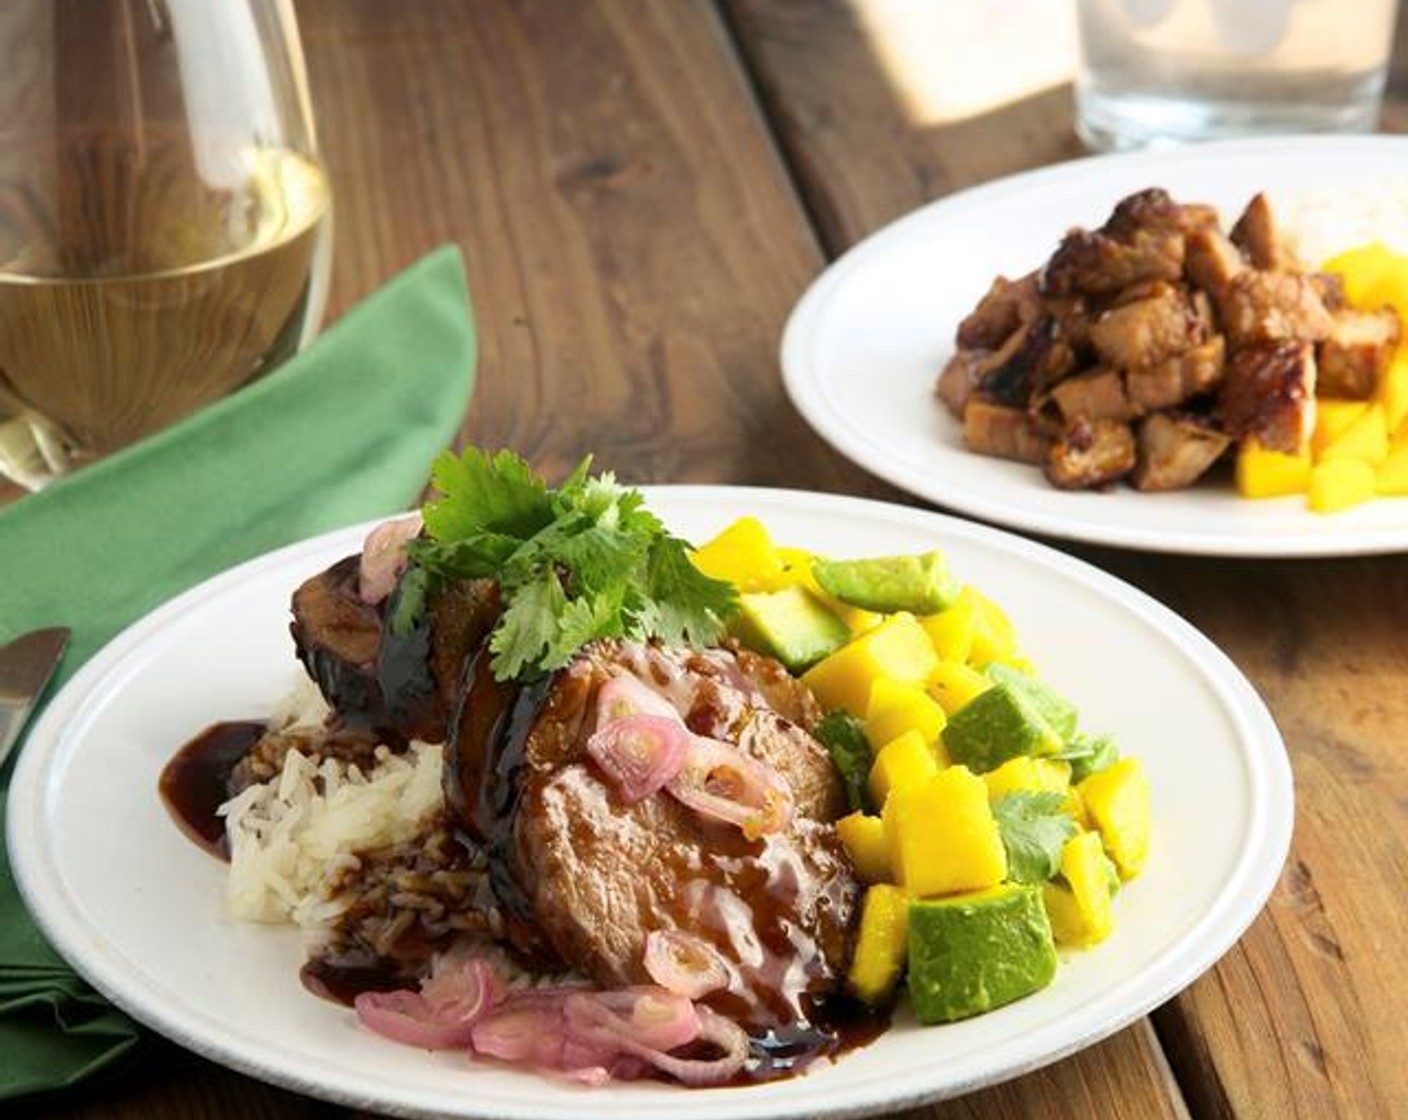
(1269, 831)
(804, 389)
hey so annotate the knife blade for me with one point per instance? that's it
(26, 665)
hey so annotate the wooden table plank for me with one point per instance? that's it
(1303, 1017)
(632, 241)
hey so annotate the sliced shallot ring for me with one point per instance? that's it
(384, 557)
(683, 963)
(640, 753)
(636, 1021)
(719, 780)
(628, 695)
(408, 1018)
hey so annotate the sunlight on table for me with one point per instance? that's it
(954, 59)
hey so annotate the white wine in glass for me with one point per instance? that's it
(164, 218)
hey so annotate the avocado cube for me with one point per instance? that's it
(1055, 709)
(970, 953)
(996, 725)
(791, 625)
(920, 584)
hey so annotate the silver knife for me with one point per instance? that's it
(26, 665)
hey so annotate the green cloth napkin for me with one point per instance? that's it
(343, 432)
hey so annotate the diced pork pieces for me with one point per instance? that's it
(1149, 347)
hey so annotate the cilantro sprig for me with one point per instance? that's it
(1033, 828)
(581, 561)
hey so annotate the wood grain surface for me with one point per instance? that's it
(642, 189)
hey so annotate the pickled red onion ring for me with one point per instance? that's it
(640, 753)
(384, 557)
(625, 695)
(441, 1016)
(719, 780)
(682, 963)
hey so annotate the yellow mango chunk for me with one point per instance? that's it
(1391, 476)
(743, 554)
(895, 707)
(898, 648)
(901, 763)
(1080, 912)
(1117, 799)
(1365, 270)
(1392, 391)
(863, 837)
(995, 638)
(881, 945)
(1366, 437)
(1340, 484)
(1270, 474)
(1026, 773)
(953, 684)
(952, 630)
(1332, 417)
(942, 835)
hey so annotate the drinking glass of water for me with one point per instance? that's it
(1159, 72)
(164, 219)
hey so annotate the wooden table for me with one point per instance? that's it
(642, 189)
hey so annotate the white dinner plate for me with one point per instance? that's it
(139, 910)
(864, 346)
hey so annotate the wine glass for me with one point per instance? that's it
(164, 219)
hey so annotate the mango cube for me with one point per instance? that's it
(1341, 483)
(1117, 799)
(1080, 911)
(1332, 417)
(942, 835)
(952, 630)
(895, 707)
(1029, 775)
(898, 648)
(902, 762)
(881, 944)
(743, 554)
(954, 684)
(994, 638)
(1366, 271)
(1392, 391)
(863, 837)
(1366, 437)
(1262, 473)
(1391, 476)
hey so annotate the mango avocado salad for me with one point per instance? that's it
(990, 829)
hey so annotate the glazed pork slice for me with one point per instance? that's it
(1356, 353)
(1268, 392)
(402, 687)
(583, 877)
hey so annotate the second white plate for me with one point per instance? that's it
(864, 346)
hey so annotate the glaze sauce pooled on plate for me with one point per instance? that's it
(196, 782)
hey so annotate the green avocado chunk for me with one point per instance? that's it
(920, 584)
(792, 625)
(996, 725)
(1054, 708)
(970, 953)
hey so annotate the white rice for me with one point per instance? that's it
(1320, 222)
(293, 836)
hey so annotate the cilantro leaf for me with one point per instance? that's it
(527, 631)
(499, 494)
(683, 605)
(840, 733)
(1088, 754)
(1033, 828)
(581, 561)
